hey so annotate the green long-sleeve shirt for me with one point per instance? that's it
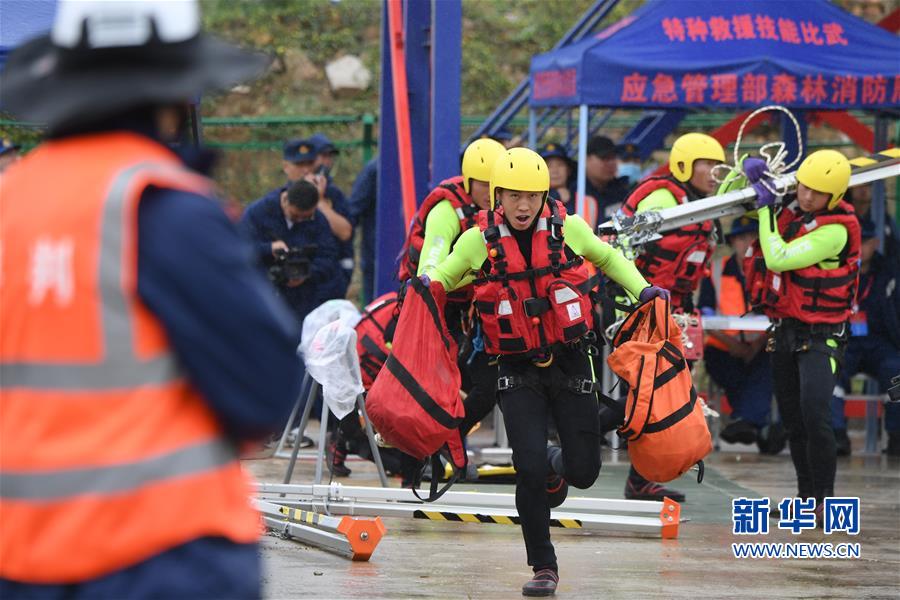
(441, 228)
(820, 246)
(657, 200)
(470, 252)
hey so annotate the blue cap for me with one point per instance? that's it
(7, 145)
(554, 150)
(323, 144)
(741, 225)
(296, 151)
(628, 150)
(867, 229)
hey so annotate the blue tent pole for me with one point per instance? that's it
(532, 129)
(583, 114)
(446, 50)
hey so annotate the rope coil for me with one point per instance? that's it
(774, 153)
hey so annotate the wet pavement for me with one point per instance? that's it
(426, 559)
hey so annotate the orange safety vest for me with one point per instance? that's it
(730, 301)
(108, 455)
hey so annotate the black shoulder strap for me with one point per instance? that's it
(419, 288)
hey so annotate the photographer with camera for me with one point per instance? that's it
(299, 163)
(294, 242)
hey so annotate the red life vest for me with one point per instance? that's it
(374, 334)
(451, 190)
(679, 260)
(811, 294)
(530, 309)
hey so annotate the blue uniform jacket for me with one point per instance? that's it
(879, 298)
(362, 203)
(263, 222)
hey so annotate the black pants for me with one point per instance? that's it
(525, 411)
(481, 398)
(804, 382)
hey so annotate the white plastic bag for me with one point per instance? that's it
(331, 360)
(332, 310)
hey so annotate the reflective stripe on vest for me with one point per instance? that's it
(120, 368)
(121, 477)
(730, 301)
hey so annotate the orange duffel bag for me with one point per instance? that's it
(664, 422)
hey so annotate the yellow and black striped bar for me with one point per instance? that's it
(866, 162)
(458, 517)
(309, 517)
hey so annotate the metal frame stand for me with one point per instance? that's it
(314, 389)
(635, 516)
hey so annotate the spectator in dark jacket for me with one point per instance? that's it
(299, 162)
(292, 221)
(362, 203)
(874, 346)
(602, 182)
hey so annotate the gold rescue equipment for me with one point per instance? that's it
(98, 426)
(524, 310)
(664, 422)
(811, 294)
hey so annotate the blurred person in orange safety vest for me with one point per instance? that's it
(140, 347)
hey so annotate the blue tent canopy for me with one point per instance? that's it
(22, 20)
(697, 53)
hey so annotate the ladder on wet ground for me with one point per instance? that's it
(648, 518)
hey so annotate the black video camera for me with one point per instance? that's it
(894, 390)
(292, 264)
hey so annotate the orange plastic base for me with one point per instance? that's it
(670, 517)
(363, 535)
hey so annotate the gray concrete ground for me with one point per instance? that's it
(425, 559)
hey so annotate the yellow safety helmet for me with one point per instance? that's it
(478, 160)
(691, 147)
(520, 169)
(826, 171)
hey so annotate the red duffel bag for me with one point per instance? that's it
(415, 403)
(375, 335)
